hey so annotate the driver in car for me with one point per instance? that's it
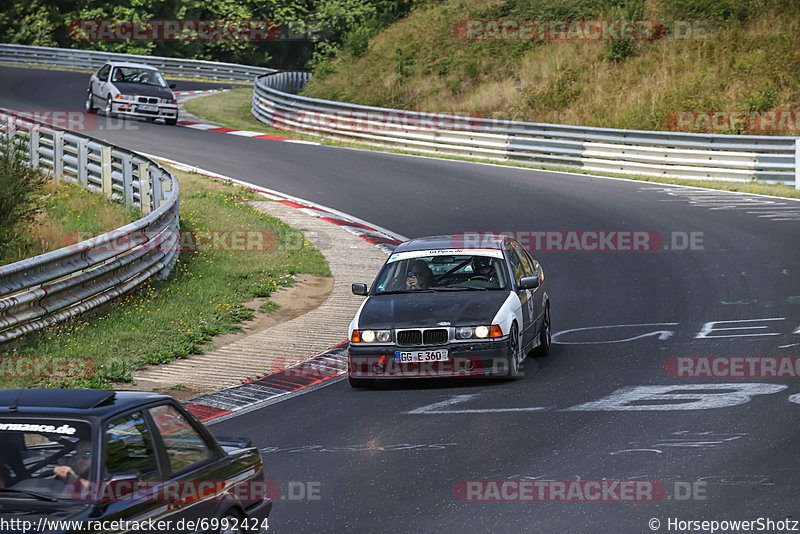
(482, 266)
(420, 276)
(81, 463)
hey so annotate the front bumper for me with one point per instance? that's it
(131, 109)
(470, 359)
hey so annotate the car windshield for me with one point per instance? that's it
(45, 458)
(138, 75)
(418, 271)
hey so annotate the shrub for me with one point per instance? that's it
(20, 192)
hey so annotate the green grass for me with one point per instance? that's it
(231, 109)
(747, 60)
(176, 317)
(67, 210)
(239, 101)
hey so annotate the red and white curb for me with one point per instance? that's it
(274, 387)
(310, 374)
(382, 238)
(202, 92)
(241, 133)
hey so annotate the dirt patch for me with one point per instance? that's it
(307, 293)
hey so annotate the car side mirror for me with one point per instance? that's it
(172, 86)
(360, 289)
(529, 282)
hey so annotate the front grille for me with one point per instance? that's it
(147, 100)
(409, 337)
(434, 337)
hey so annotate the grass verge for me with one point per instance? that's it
(66, 209)
(232, 110)
(174, 318)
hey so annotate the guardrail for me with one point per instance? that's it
(769, 159)
(49, 288)
(91, 60)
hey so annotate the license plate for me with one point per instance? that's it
(143, 107)
(421, 356)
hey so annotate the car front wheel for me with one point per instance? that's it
(109, 108)
(515, 354)
(90, 103)
(545, 335)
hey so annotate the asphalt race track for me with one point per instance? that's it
(361, 461)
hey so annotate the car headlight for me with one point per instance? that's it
(127, 97)
(464, 332)
(479, 332)
(167, 101)
(371, 336)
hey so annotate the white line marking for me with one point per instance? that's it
(457, 399)
(662, 334)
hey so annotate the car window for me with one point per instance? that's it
(102, 74)
(516, 263)
(442, 271)
(527, 266)
(184, 445)
(129, 448)
(44, 455)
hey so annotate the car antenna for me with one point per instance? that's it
(15, 405)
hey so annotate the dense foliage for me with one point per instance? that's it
(320, 29)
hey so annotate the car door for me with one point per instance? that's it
(518, 272)
(193, 464)
(534, 295)
(98, 83)
(129, 453)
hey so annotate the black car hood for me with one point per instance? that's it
(142, 89)
(425, 309)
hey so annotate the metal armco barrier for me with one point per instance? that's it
(49, 288)
(91, 60)
(768, 159)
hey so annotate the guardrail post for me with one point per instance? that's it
(83, 161)
(797, 163)
(144, 187)
(155, 181)
(166, 186)
(58, 155)
(33, 146)
(105, 170)
(127, 180)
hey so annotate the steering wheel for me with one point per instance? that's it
(481, 277)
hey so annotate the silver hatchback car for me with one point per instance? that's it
(132, 89)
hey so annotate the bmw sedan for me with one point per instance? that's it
(132, 90)
(435, 310)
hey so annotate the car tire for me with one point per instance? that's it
(171, 122)
(515, 355)
(231, 517)
(545, 335)
(360, 382)
(109, 107)
(90, 103)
